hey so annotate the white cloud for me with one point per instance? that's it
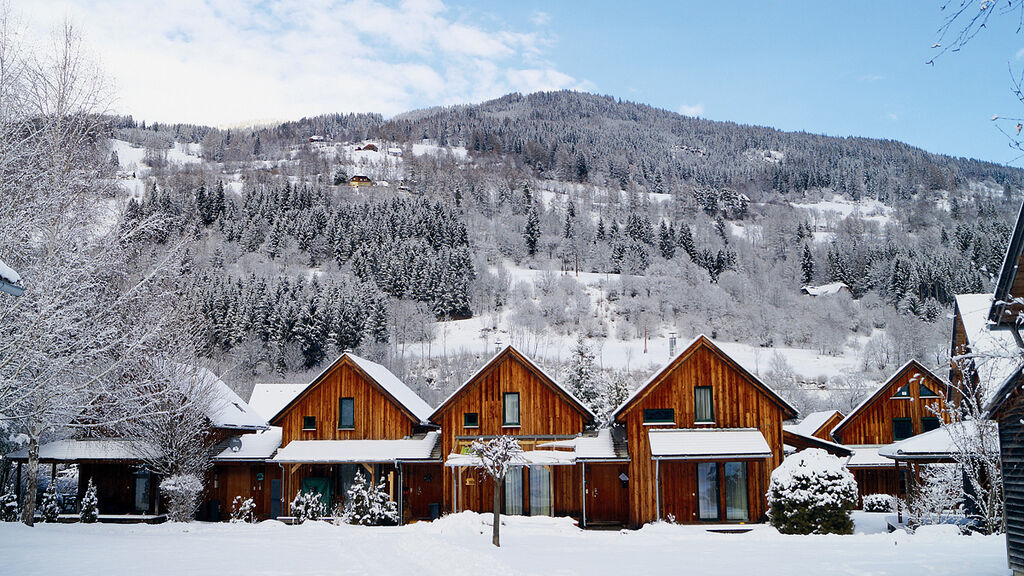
(692, 109)
(540, 18)
(227, 62)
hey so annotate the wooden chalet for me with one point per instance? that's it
(704, 435)
(511, 395)
(1007, 409)
(359, 418)
(909, 403)
(359, 180)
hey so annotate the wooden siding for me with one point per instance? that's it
(824, 432)
(377, 416)
(959, 346)
(872, 423)
(881, 480)
(1011, 446)
(241, 479)
(543, 411)
(737, 402)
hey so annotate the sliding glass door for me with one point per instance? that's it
(514, 491)
(540, 491)
(736, 509)
(707, 490)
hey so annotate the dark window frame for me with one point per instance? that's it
(903, 391)
(504, 410)
(306, 423)
(931, 420)
(910, 421)
(341, 413)
(711, 392)
(925, 391)
(650, 419)
(466, 419)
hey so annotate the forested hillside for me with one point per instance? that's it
(538, 219)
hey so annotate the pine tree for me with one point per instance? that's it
(600, 228)
(89, 507)
(666, 242)
(8, 507)
(807, 265)
(49, 506)
(568, 230)
(369, 505)
(580, 377)
(686, 241)
(531, 234)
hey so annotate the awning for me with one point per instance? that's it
(252, 447)
(867, 456)
(940, 445)
(708, 444)
(528, 458)
(84, 450)
(417, 448)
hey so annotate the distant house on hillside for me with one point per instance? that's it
(10, 280)
(826, 289)
(370, 148)
(359, 180)
(314, 139)
(396, 152)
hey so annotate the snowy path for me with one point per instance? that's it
(460, 545)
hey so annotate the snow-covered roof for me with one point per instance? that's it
(811, 423)
(941, 443)
(809, 440)
(268, 399)
(7, 273)
(383, 378)
(993, 349)
(855, 413)
(866, 456)
(82, 449)
(599, 446)
(824, 289)
(259, 446)
(528, 458)
(341, 451)
(227, 409)
(708, 443)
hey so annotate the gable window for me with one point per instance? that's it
(347, 413)
(929, 424)
(511, 409)
(926, 392)
(703, 406)
(903, 392)
(902, 428)
(659, 416)
(309, 422)
(471, 420)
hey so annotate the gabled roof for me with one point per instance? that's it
(1008, 272)
(389, 384)
(800, 441)
(703, 341)
(268, 399)
(228, 410)
(813, 423)
(910, 364)
(1010, 387)
(87, 450)
(510, 352)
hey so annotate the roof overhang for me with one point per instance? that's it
(358, 451)
(709, 444)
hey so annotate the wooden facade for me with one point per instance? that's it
(546, 413)
(1007, 409)
(824, 431)
(739, 400)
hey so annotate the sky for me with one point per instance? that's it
(855, 68)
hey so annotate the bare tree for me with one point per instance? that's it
(497, 456)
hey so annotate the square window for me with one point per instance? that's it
(471, 420)
(511, 409)
(929, 424)
(659, 416)
(309, 422)
(346, 413)
(902, 428)
(703, 407)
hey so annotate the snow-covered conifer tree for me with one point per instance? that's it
(49, 505)
(581, 377)
(89, 507)
(369, 505)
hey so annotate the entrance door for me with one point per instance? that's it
(707, 490)
(275, 497)
(142, 486)
(606, 493)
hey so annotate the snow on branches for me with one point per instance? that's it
(811, 492)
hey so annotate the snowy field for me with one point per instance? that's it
(460, 544)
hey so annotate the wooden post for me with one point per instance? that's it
(657, 489)
(899, 511)
(53, 472)
(17, 483)
(583, 470)
(401, 496)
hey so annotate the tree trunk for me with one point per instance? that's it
(28, 505)
(497, 513)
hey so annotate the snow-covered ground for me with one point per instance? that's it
(460, 544)
(828, 212)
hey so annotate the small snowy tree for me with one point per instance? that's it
(308, 506)
(8, 508)
(89, 507)
(369, 505)
(879, 503)
(580, 377)
(615, 392)
(243, 511)
(49, 506)
(812, 493)
(497, 456)
(181, 492)
(938, 496)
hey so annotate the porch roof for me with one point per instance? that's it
(606, 444)
(253, 447)
(867, 456)
(528, 458)
(708, 444)
(83, 450)
(415, 448)
(941, 444)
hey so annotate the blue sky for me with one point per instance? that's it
(839, 68)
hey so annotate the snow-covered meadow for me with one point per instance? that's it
(460, 544)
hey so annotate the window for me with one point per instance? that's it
(659, 416)
(514, 491)
(540, 491)
(926, 392)
(929, 424)
(707, 490)
(511, 409)
(309, 422)
(347, 413)
(736, 491)
(902, 428)
(903, 392)
(703, 407)
(471, 420)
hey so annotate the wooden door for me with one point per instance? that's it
(606, 493)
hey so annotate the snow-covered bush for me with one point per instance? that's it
(243, 511)
(369, 505)
(8, 508)
(181, 492)
(308, 506)
(812, 493)
(878, 503)
(49, 506)
(89, 507)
